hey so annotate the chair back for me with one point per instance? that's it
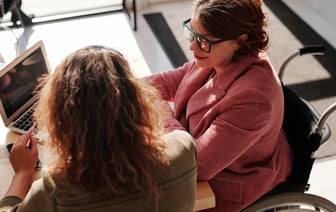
(298, 124)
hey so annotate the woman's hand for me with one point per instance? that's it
(23, 159)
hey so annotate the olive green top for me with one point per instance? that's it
(177, 192)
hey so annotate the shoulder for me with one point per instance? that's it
(180, 149)
(178, 141)
(259, 77)
(37, 198)
(44, 187)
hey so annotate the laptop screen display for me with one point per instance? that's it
(18, 85)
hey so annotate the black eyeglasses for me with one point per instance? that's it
(203, 43)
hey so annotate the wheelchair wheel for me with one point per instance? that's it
(292, 202)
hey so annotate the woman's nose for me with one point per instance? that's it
(193, 45)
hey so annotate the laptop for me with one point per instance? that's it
(18, 83)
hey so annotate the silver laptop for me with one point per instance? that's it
(18, 82)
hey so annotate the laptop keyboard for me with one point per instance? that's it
(25, 121)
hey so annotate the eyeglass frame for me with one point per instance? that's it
(198, 37)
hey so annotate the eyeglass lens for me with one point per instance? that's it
(201, 42)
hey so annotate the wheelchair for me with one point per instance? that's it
(306, 130)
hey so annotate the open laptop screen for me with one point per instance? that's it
(18, 84)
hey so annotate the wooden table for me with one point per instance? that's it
(205, 197)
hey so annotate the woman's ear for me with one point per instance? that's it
(242, 39)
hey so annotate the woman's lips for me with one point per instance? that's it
(199, 57)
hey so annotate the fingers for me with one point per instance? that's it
(24, 159)
(26, 141)
(33, 145)
(23, 138)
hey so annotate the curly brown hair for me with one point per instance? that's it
(233, 18)
(102, 123)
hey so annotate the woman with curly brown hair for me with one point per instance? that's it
(109, 152)
(230, 100)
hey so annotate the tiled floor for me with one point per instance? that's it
(321, 17)
(143, 52)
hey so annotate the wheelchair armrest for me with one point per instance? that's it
(327, 131)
